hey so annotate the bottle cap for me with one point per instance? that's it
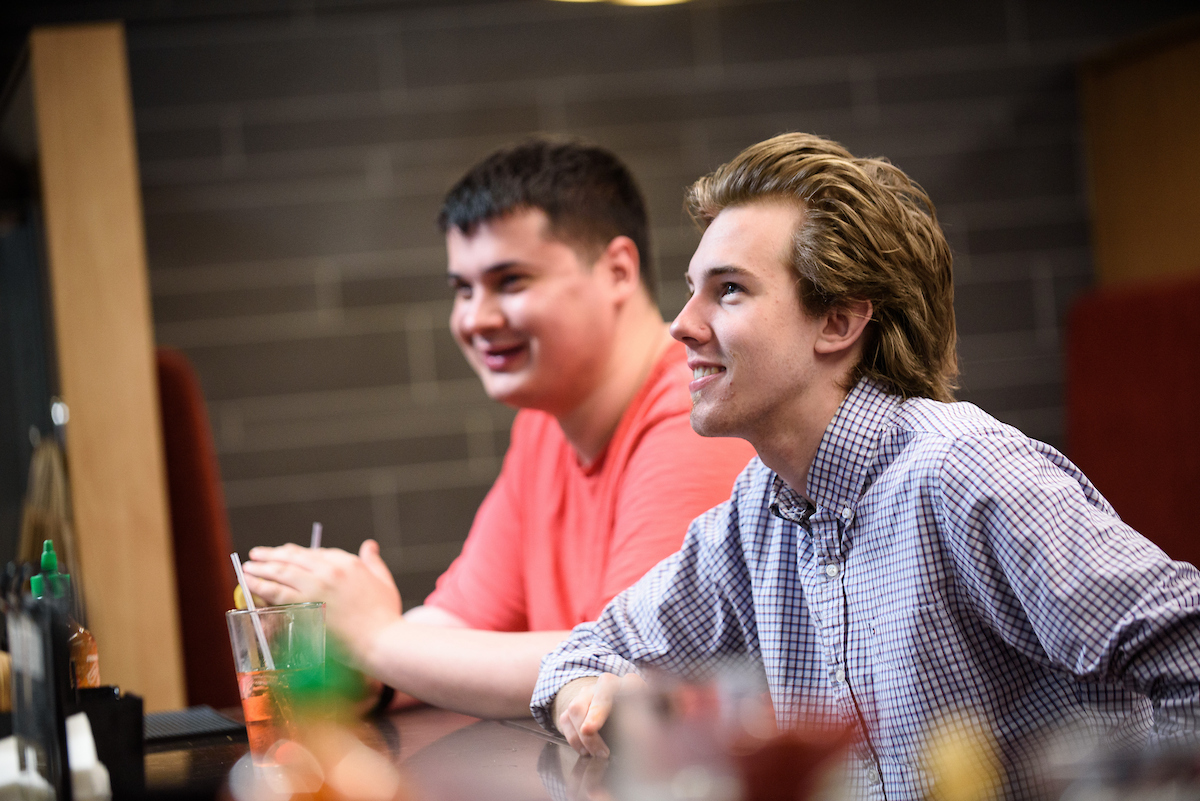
(57, 582)
(49, 557)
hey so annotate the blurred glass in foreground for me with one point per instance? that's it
(718, 741)
(321, 752)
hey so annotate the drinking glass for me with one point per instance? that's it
(294, 638)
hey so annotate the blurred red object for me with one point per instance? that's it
(789, 766)
(200, 533)
(1133, 387)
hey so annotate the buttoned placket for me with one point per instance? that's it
(831, 552)
(822, 580)
(829, 572)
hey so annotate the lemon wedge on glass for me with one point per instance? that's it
(239, 600)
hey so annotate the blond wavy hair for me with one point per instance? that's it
(867, 232)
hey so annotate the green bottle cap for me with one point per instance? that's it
(57, 582)
(49, 557)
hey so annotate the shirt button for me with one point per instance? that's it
(847, 515)
(831, 571)
(839, 676)
(872, 775)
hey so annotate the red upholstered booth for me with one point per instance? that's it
(200, 531)
(1133, 406)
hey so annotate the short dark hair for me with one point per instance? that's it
(588, 195)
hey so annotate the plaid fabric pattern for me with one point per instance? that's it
(947, 563)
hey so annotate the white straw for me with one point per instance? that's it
(316, 537)
(258, 629)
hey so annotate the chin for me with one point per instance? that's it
(500, 389)
(520, 394)
(509, 397)
(709, 424)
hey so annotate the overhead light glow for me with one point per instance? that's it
(629, 2)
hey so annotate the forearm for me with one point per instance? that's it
(482, 673)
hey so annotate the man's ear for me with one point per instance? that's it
(622, 263)
(843, 326)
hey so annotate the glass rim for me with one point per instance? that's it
(278, 608)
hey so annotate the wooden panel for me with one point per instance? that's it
(1142, 113)
(101, 306)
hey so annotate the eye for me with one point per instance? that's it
(729, 288)
(512, 282)
(460, 288)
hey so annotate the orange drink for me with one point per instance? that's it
(268, 652)
(260, 707)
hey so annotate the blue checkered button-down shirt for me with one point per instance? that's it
(948, 563)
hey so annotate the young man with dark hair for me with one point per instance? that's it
(554, 308)
(892, 559)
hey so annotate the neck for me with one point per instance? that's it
(789, 447)
(640, 339)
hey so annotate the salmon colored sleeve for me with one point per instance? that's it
(484, 586)
(673, 477)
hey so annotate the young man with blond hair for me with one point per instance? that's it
(892, 558)
(554, 308)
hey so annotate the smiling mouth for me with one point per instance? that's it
(501, 359)
(701, 377)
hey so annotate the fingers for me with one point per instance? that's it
(284, 575)
(570, 704)
(368, 552)
(603, 692)
(291, 553)
(586, 712)
(268, 593)
(310, 572)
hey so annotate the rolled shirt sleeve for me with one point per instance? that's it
(686, 616)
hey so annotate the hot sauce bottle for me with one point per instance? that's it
(85, 657)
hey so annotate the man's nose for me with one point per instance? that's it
(481, 313)
(688, 325)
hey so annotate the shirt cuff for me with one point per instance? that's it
(560, 669)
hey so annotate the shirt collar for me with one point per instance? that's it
(838, 474)
(785, 502)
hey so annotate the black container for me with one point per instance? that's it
(117, 729)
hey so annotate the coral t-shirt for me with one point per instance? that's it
(555, 540)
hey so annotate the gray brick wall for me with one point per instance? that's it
(293, 162)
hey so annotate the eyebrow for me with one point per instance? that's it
(721, 271)
(495, 268)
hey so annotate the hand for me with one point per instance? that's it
(582, 707)
(359, 592)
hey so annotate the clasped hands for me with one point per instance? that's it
(360, 595)
(362, 602)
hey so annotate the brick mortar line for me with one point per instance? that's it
(354, 429)
(299, 325)
(340, 484)
(368, 400)
(616, 86)
(280, 191)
